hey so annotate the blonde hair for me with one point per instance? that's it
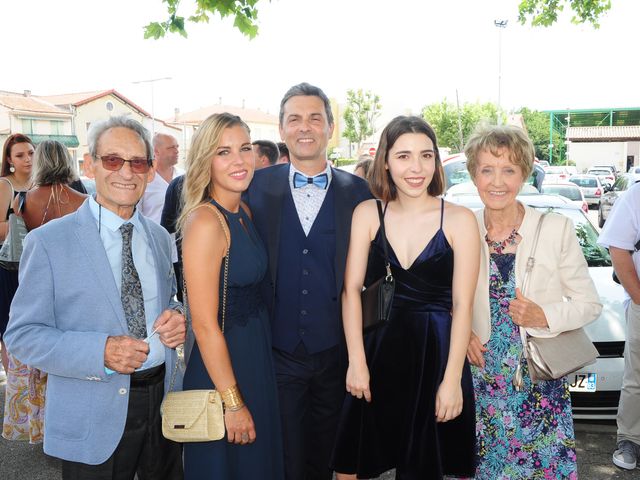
(197, 179)
(495, 139)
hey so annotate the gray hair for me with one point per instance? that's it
(52, 164)
(98, 128)
(306, 90)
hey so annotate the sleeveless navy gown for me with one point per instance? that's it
(248, 336)
(407, 359)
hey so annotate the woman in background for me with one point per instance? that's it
(15, 173)
(51, 173)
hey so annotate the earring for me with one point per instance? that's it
(12, 169)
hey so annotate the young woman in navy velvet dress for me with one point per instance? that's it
(411, 404)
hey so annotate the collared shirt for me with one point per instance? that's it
(622, 229)
(151, 203)
(308, 199)
(109, 225)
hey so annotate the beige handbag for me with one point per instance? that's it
(554, 357)
(196, 415)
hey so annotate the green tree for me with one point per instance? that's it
(443, 117)
(245, 15)
(545, 12)
(360, 114)
(537, 124)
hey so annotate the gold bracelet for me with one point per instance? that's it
(232, 399)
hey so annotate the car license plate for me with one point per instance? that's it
(583, 382)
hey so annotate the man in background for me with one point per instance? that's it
(266, 153)
(284, 152)
(165, 151)
(621, 234)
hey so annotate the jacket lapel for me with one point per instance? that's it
(91, 244)
(344, 206)
(276, 191)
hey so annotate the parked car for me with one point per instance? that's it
(595, 389)
(455, 171)
(611, 168)
(568, 190)
(591, 187)
(556, 174)
(635, 171)
(623, 183)
(604, 174)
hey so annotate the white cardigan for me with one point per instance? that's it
(559, 282)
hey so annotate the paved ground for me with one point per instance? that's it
(20, 461)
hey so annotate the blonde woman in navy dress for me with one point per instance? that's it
(237, 362)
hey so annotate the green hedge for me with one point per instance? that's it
(341, 162)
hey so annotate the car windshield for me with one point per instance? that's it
(555, 170)
(567, 191)
(584, 182)
(594, 254)
(455, 173)
(600, 172)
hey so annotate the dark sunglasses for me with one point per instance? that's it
(115, 163)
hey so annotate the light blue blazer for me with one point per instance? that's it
(64, 310)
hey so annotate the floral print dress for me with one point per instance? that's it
(24, 402)
(526, 434)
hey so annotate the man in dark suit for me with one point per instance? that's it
(302, 211)
(169, 220)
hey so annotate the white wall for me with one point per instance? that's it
(605, 153)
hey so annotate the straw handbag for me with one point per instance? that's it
(196, 415)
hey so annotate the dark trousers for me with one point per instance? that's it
(142, 450)
(311, 389)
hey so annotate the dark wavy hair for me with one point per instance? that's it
(380, 180)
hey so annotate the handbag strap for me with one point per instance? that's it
(531, 261)
(227, 236)
(385, 246)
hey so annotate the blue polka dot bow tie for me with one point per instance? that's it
(320, 181)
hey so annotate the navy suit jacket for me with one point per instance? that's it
(66, 306)
(265, 196)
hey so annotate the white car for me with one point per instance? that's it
(556, 174)
(595, 389)
(591, 187)
(568, 190)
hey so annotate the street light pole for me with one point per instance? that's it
(501, 24)
(151, 81)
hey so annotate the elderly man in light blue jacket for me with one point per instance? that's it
(95, 311)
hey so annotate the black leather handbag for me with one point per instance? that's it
(377, 298)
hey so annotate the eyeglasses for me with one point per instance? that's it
(115, 163)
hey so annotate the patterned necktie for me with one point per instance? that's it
(320, 181)
(131, 289)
